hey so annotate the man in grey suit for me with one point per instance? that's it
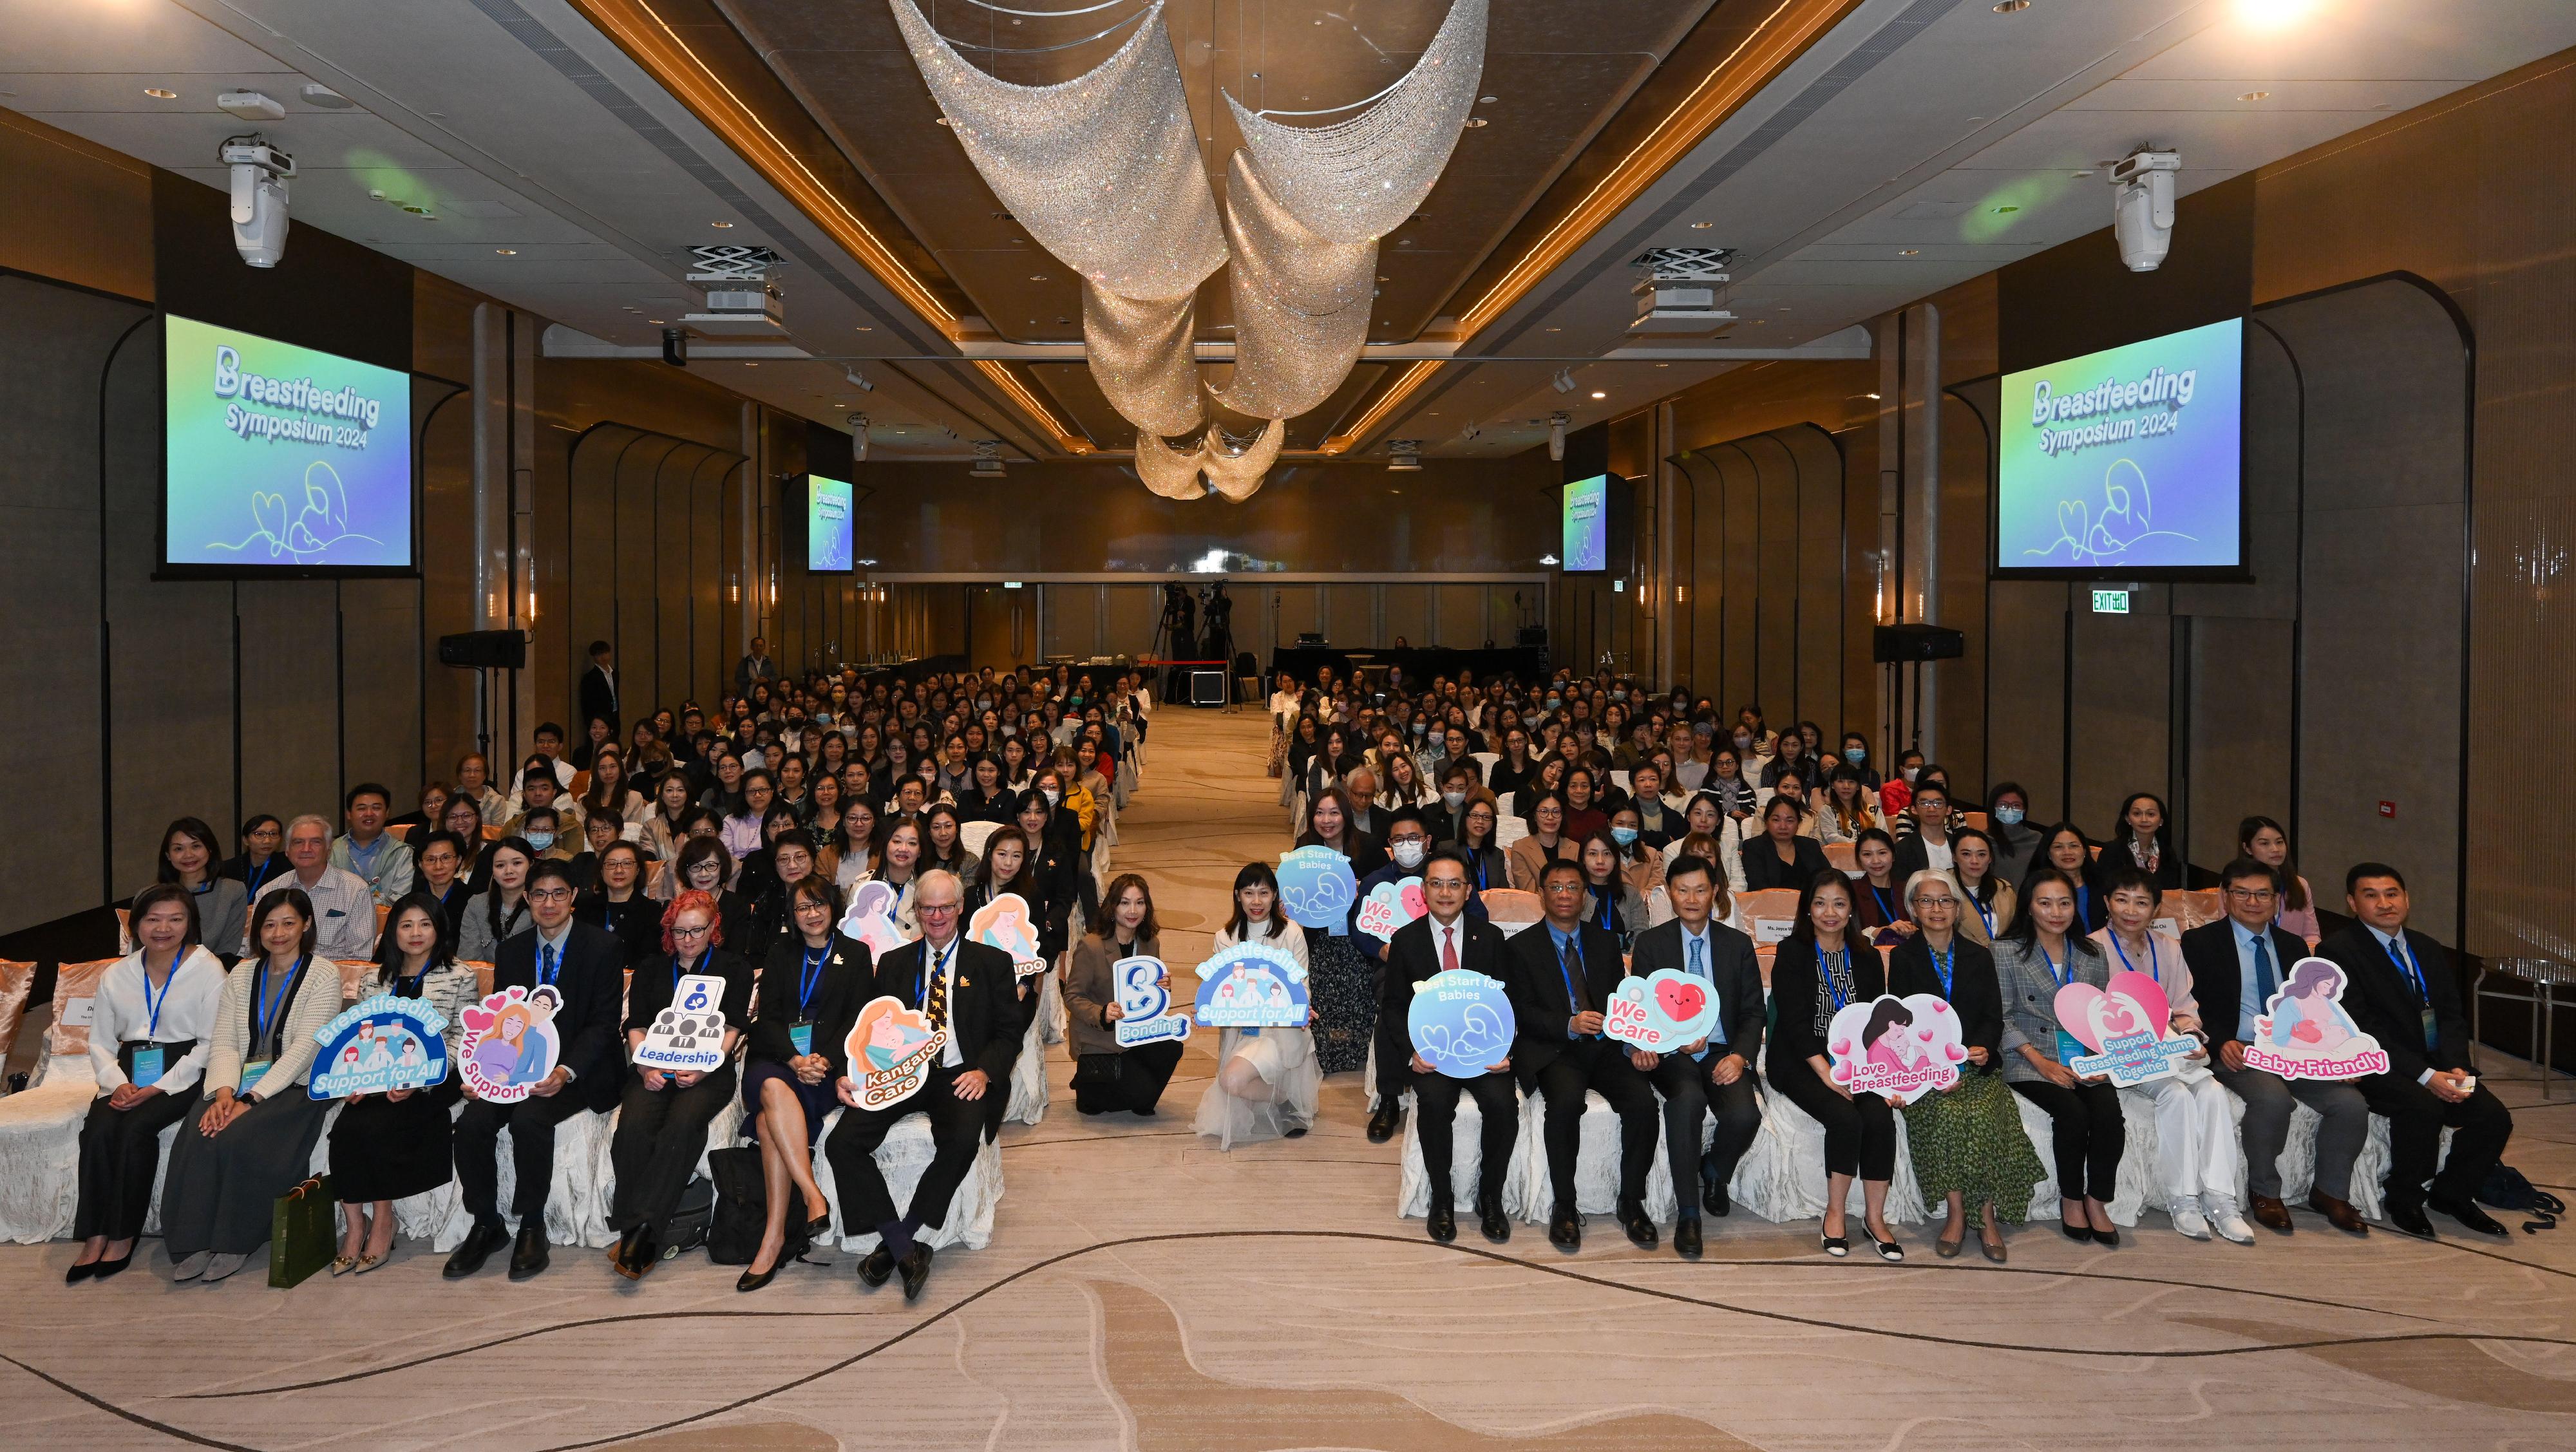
(1715, 1074)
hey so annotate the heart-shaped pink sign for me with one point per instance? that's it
(1680, 1001)
(2133, 1004)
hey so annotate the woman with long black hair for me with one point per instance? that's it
(1821, 967)
(391, 1146)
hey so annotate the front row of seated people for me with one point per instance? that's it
(228, 1056)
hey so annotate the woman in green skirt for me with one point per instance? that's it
(1967, 1140)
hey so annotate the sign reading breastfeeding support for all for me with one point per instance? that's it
(1144, 1004)
(2305, 1034)
(382, 1044)
(687, 1036)
(1904, 1048)
(892, 1048)
(1461, 1023)
(1316, 888)
(2125, 1024)
(1661, 1013)
(1252, 985)
(1004, 923)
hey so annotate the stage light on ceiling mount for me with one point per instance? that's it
(1563, 382)
(988, 460)
(1404, 456)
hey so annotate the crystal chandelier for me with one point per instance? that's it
(1104, 172)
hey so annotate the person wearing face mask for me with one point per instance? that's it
(1896, 793)
(2016, 842)
(1641, 864)
(1855, 756)
(1446, 818)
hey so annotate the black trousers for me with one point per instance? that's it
(120, 1151)
(1142, 1073)
(1435, 1112)
(1394, 1055)
(1860, 1132)
(2087, 1132)
(1688, 1099)
(660, 1135)
(956, 1130)
(2480, 1125)
(531, 1123)
(1601, 1064)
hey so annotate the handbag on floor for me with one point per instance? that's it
(742, 1208)
(300, 1233)
(1098, 1071)
(692, 1220)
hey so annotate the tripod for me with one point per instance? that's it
(1218, 643)
(1175, 636)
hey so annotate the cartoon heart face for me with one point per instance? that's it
(1681, 1002)
(1414, 904)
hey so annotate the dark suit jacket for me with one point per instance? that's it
(588, 1022)
(636, 922)
(2381, 999)
(598, 700)
(1974, 993)
(1794, 990)
(1911, 857)
(848, 981)
(1536, 984)
(2218, 975)
(1763, 868)
(1413, 954)
(983, 1014)
(1737, 972)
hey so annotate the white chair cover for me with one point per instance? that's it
(906, 1152)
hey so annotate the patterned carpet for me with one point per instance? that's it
(1144, 1290)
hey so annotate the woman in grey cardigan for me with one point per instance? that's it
(2042, 953)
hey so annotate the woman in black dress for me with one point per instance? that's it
(391, 1146)
(1780, 857)
(617, 902)
(811, 989)
(1341, 985)
(1822, 966)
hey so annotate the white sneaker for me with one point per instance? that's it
(2224, 1219)
(2189, 1223)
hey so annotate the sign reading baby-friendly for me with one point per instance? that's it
(510, 1043)
(1316, 888)
(2126, 1024)
(1461, 1023)
(1900, 1047)
(686, 1037)
(1661, 1013)
(891, 1049)
(1144, 1004)
(1389, 906)
(2305, 1034)
(871, 919)
(382, 1044)
(1004, 923)
(1252, 985)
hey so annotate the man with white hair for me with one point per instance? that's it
(970, 990)
(344, 907)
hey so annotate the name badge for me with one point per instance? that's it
(147, 1066)
(802, 1036)
(2069, 1049)
(2432, 1030)
(252, 1073)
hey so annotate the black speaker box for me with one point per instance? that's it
(480, 649)
(1890, 644)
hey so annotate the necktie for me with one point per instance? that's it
(1449, 949)
(935, 1005)
(547, 971)
(1698, 957)
(1572, 962)
(2266, 982)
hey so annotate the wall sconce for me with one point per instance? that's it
(1681, 594)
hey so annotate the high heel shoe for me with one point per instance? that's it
(100, 1270)
(2110, 1237)
(818, 1227)
(753, 1280)
(341, 1265)
(80, 1273)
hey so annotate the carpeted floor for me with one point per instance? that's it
(1145, 1290)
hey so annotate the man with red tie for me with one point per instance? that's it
(1448, 937)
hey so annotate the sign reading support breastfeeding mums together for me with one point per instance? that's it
(281, 458)
(2125, 461)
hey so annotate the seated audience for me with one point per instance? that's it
(382, 860)
(499, 912)
(662, 1115)
(1714, 1075)
(810, 984)
(1967, 1141)
(1447, 936)
(1266, 1081)
(2267, 842)
(191, 859)
(1781, 857)
(2037, 956)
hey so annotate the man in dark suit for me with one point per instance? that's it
(599, 687)
(1459, 779)
(1449, 935)
(585, 968)
(1408, 844)
(1562, 972)
(969, 989)
(1717, 1072)
(2237, 964)
(2403, 990)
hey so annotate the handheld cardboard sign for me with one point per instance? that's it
(687, 1036)
(1144, 1004)
(1316, 888)
(1389, 906)
(1660, 1013)
(2126, 1026)
(891, 1049)
(380, 1044)
(1461, 1023)
(871, 919)
(1906, 1047)
(2303, 1033)
(1005, 923)
(510, 1043)
(1252, 985)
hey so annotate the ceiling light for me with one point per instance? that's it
(2255, 96)
(1702, 226)
(158, 94)
(1871, 396)
(1037, 277)
(1663, 365)
(1909, 251)
(2273, 14)
(507, 251)
(720, 224)
(2012, 7)
(1475, 121)
(1597, 393)
(1487, 100)
(657, 322)
(864, 328)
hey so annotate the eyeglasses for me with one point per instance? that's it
(2249, 894)
(550, 894)
(691, 934)
(939, 909)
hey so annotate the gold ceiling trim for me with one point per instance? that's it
(649, 41)
(1780, 38)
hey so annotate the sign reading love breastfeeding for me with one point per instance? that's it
(2126, 1025)
(1662, 1013)
(1903, 1048)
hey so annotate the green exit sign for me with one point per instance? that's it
(2110, 602)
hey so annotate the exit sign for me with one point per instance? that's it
(2110, 602)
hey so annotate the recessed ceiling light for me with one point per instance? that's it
(2012, 7)
(657, 322)
(1663, 365)
(1597, 393)
(1556, 330)
(507, 251)
(720, 224)
(1909, 251)
(1702, 226)
(942, 120)
(751, 365)
(158, 94)
(1869, 395)
(1487, 100)
(1475, 121)
(864, 328)
(2255, 96)
(1037, 277)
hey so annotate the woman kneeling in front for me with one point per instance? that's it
(1108, 1076)
(252, 1135)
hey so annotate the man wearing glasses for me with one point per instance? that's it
(585, 967)
(970, 990)
(2237, 964)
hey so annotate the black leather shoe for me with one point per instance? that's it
(100, 1270)
(1565, 1229)
(753, 1280)
(2409, 1220)
(621, 1256)
(1442, 1223)
(80, 1273)
(2109, 1237)
(915, 1266)
(528, 1258)
(642, 1256)
(2469, 1215)
(1713, 1198)
(877, 1267)
(1384, 1123)
(1686, 1238)
(479, 1244)
(1492, 1221)
(1640, 1227)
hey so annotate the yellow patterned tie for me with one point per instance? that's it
(935, 1002)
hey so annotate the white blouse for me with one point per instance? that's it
(187, 1012)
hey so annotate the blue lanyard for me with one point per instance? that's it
(1886, 908)
(1825, 973)
(1479, 855)
(267, 1012)
(1944, 964)
(151, 1005)
(2406, 962)
(1983, 914)
(2054, 977)
(256, 878)
(811, 974)
(704, 959)
(2114, 936)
